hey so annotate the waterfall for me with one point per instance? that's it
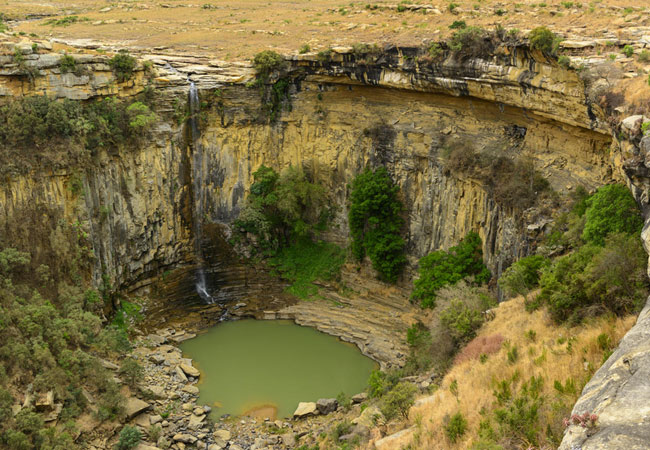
(198, 197)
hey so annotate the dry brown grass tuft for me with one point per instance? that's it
(552, 352)
(481, 345)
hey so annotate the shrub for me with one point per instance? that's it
(305, 48)
(541, 38)
(130, 437)
(456, 427)
(131, 371)
(123, 66)
(282, 209)
(376, 222)
(457, 24)
(440, 268)
(398, 401)
(517, 412)
(462, 320)
(266, 62)
(628, 51)
(611, 209)
(418, 337)
(471, 42)
(67, 64)
(564, 61)
(140, 116)
(344, 401)
(523, 275)
(593, 280)
(380, 382)
(644, 56)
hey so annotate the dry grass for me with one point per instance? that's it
(554, 352)
(237, 30)
(481, 345)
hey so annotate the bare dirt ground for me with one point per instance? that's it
(236, 30)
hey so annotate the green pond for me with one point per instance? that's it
(266, 367)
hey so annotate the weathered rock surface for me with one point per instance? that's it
(305, 409)
(326, 405)
(619, 395)
(135, 406)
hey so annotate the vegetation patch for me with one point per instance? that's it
(442, 268)
(305, 262)
(376, 222)
(56, 132)
(123, 65)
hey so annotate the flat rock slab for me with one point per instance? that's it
(190, 371)
(135, 406)
(306, 409)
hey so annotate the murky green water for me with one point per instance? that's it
(258, 366)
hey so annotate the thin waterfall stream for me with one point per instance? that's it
(198, 197)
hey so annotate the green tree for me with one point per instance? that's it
(130, 437)
(376, 222)
(523, 275)
(543, 39)
(398, 401)
(611, 209)
(441, 268)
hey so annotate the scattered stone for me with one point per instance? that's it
(180, 373)
(289, 440)
(196, 421)
(191, 389)
(224, 435)
(306, 409)
(156, 418)
(327, 405)
(184, 438)
(158, 391)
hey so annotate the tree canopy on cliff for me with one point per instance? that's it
(376, 222)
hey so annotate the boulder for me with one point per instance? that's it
(289, 440)
(397, 440)
(369, 417)
(155, 340)
(135, 406)
(45, 402)
(143, 446)
(158, 391)
(190, 371)
(156, 418)
(196, 421)
(184, 438)
(327, 405)
(180, 374)
(306, 409)
(358, 398)
(224, 435)
(630, 123)
(191, 389)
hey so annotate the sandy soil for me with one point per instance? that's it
(236, 30)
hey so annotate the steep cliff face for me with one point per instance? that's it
(341, 116)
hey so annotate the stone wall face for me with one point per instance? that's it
(343, 116)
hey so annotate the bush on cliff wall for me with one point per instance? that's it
(43, 130)
(443, 268)
(514, 183)
(604, 269)
(282, 218)
(376, 222)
